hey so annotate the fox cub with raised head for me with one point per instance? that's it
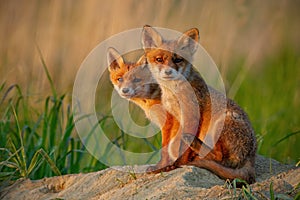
(233, 154)
(134, 81)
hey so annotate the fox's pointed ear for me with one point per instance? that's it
(150, 38)
(189, 40)
(142, 60)
(114, 59)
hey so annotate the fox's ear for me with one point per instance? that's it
(189, 40)
(142, 60)
(114, 59)
(150, 38)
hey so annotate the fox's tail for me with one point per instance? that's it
(246, 172)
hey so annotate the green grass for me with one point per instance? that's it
(39, 140)
(239, 189)
(270, 95)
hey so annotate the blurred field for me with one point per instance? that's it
(255, 44)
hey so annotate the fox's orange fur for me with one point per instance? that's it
(134, 82)
(233, 155)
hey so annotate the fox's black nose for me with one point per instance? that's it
(125, 90)
(168, 71)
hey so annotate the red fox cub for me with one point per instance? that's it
(134, 81)
(233, 155)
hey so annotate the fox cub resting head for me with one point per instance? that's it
(131, 80)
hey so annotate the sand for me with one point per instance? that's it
(183, 183)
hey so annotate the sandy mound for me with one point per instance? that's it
(183, 183)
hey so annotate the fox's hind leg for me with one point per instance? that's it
(200, 148)
(209, 159)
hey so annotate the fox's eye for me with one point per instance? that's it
(136, 80)
(177, 60)
(159, 59)
(120, 79)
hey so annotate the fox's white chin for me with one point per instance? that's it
(126, 96)
(173, 76)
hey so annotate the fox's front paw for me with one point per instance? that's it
(151, 169)
(158, 169)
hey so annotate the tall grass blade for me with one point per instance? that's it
(33, 162)
(150, 144)
(6, 175)
(23, 160)
(6, 93)
(49, 161)
(2, 86)
(47, 72)
(286, 137)
(45, 156)
(9, 164)
(15, 153)
(272, 197)
(247, 194)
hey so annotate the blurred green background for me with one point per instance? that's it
(255, 45)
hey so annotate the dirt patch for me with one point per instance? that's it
(183, 183)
